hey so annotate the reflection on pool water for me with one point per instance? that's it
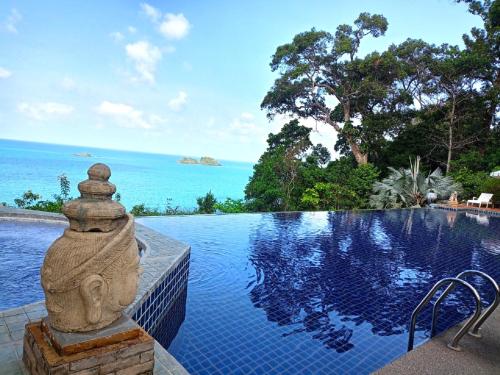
(23, 245)
(312, 293)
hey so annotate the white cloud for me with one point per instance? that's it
(132, 29)
(179, 101)
(67, 83)
(170, 25)
(116, 36)
(150, 11)
(4, 73)
(43, 111)
(12, 20)
(145, 57)
(247, 116)
(175, 26)
(127, 116)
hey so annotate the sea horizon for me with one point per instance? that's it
(153, 179)
(132, 151)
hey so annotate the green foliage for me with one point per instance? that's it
(492, 185)
(360, 182)
(64, 186)
(142, 210)
(33, 201)
(472, 182)
(410, 187)
(27, 199)
(206, 204)
(231, 206)
(317, 68)
(328, 196)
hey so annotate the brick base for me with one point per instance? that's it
(128, 357)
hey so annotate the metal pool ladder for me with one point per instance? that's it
(473, 323)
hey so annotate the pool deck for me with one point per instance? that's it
(478, 356)
(12, 324)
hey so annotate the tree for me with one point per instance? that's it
(484, 45)
(206, 204)
(289, 164)
(317, 68)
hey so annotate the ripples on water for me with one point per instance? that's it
(22, 249)
(310, 293)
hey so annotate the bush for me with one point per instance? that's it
(206, 204)
(328, 196)
(142, 210)
(232, 206)
(492, 185)
(27, 199)
(471, 182)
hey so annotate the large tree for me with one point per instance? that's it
(322, 77)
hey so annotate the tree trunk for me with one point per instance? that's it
(450, 145)
(361, 158)
(450, 134)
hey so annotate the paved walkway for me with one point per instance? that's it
(478, 356)
(11, 343)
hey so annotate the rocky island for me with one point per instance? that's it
(205, 160)
(83, 154)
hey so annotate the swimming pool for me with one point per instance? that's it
(23, 245)
(313, 293)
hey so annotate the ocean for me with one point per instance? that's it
(152, 179)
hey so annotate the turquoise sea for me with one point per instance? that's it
(153, 179)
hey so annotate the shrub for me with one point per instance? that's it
(492, 185)
(328, 196)
(231, 206)
(409, 187)
(471, 182)
(27, 199)
(143, 210)
(206, 204)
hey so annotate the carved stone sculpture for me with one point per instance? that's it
(90, 274)
(453, 201)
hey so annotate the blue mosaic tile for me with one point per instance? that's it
(317, 293)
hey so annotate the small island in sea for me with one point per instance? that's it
(83, 154)
(205, 160)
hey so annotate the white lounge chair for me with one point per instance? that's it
(483, 198)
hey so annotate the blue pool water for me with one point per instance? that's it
(152, 179)
(22, 248)
(318, 293)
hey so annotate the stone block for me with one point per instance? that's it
(140, 369)
(121, 364)
(130, 356)
(147, 356)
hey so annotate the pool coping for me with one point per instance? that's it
(478, 356)
(165, 262)
(470, 209)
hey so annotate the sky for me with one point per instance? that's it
(174, 77)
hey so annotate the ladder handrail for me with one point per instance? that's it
(429, 296)
(475, 329)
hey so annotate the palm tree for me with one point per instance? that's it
(410, 187)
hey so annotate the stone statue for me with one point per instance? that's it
(453, 201)
(90, 274)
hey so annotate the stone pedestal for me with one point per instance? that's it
(121, 348)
